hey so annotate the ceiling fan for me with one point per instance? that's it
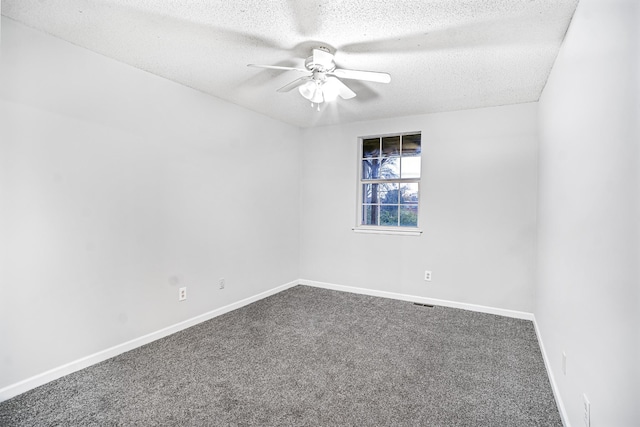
(321, 84)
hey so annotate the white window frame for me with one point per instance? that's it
(382, 229)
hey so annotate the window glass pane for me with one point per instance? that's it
(390, 167)
(408, 215)
(409, 194)
(370, 215)
(411, 145)
(371, 168)
(391, 172)
(411, 167)
(389, 194)
(391, 146)
(389, 215)
(370, 147)
(370, 193)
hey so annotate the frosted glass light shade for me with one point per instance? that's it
(330, 90)
(308, 89)
(318, 91)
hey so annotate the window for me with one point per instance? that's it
(389, 182)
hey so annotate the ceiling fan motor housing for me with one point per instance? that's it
(321, 63)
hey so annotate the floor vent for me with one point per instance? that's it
(423, 305)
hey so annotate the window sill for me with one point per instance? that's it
(397, 232)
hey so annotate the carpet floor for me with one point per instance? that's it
(312, 357)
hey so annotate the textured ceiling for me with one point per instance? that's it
(442, 55)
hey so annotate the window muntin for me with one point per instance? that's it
(389, 181)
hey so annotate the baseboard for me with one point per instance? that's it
(412, 298)
(53, 374)
(554, 385)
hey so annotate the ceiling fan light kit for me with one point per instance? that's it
(322, 84)
(319, 90)
(313, 91)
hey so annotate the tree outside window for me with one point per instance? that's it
(389, 180)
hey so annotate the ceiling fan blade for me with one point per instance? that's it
(322, 57)
(503, 31)
(370, 76)
(342, 89)
(294, 84)
(277, 67)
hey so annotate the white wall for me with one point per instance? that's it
(477, 209)
(116, 188)
(588, 295)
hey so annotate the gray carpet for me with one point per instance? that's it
(312, 357)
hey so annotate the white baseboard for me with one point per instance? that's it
(554, 385)
(66, 369)
(45, 377)
(422, 300)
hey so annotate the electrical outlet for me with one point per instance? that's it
(427, 275)
(221, 283)
(587, 411)
(182, 294)
(564, 363)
